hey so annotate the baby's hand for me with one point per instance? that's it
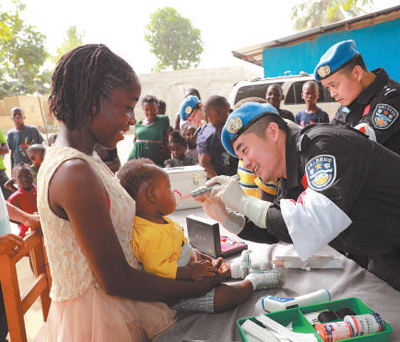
(202, 256)
(201, 269)
(218, 262)
(223, 268)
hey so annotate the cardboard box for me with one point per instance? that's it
(184, 180)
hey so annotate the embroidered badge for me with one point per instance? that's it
(234, 124)
(321, 172)
(324, 71)
(188, 109)
(384, 116)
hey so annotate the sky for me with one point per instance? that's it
(225, 25)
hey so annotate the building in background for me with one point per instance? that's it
(376, 35)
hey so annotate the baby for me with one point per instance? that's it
(160, 245)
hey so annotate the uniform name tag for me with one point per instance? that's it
(384, 116)
(321, 172)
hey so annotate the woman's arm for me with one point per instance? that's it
(16, 214)
(77, 194)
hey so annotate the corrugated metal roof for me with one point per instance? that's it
(253, 54)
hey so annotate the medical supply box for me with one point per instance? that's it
(185, 179)
(300, 324)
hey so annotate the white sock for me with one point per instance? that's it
(241, 268)
(266, 280)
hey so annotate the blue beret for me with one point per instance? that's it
(241, 119)
(188, 105)
(335, 59)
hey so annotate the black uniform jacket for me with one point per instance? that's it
(366, 187)
(378, 105)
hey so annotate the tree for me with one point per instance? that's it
(22, 55)
(5, 33)
(174, 41)
(73, 40)
(315, 13)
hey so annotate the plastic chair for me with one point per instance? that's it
(16, 306)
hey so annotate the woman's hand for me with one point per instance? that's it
(10, 244)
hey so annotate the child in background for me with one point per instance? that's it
(312, 113)
(36, 154)
(162, 107)
(160, 245)
(177, 144)
(21, 137)
(190, 134)
(274, 97)
(212, 155)
(25, 196)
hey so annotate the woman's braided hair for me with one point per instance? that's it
(82, 76)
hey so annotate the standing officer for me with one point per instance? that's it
(337, 188)
(192, 110)
(370, 101)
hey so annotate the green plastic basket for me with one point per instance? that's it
(301, 325)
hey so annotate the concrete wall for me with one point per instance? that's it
(378, 44)
(169, 86)
(31, 107)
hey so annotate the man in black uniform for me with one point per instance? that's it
(370, 101)
(337, 188)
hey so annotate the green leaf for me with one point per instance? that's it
(173, 40)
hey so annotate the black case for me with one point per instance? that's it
(204, 236)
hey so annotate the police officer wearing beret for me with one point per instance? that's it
(337, 188)
(370, 101)
(192, 111)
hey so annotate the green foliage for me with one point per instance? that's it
(173, 40)
(22, 54)
(315, 13)
(73, 40)
(5, 33)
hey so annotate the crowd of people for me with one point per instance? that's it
(294, 173)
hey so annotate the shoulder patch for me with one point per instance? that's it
(321, 172)
(384, 116)
(389, 90)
